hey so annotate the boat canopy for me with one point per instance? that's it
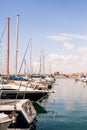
(38, 76)
(13, 77)
(83, 76)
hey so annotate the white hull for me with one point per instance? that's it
(23, 108)
(4, 126)
(5, 121)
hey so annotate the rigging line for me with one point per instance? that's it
(18, 91)
(3, 32)
(24, 57)
(27, 69)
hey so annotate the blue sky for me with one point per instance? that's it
(58, 27)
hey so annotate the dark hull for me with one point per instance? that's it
(20, 121)
(32, 95)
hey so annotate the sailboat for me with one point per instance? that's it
(23, 108)
(12, 91)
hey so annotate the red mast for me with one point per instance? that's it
(8, 45)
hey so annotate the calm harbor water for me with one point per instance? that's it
(65, 109)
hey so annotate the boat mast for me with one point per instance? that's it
(40, 63)
(43, 63)
(30, 56)
(0, 60)
(8, 46)
(24, 67)
(50, 68)
(17, 32)
(1, 46)
(42, 67)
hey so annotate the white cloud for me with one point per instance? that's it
(69, 46)
(63, 63)
(67, 37)
(83, 50)
(67, 64)
(76, 36)
(59, 37)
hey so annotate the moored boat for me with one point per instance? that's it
(12, 91)
(5, 121)
(23, 107)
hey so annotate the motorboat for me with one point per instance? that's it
(33, 95)
(13, 91)
(23, 108)
(5, 120)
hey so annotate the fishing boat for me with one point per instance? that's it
(23, 107)
(5, 121)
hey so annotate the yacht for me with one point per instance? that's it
(13, 91)
(5, 121)
(23, 108)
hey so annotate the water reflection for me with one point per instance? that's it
(39, 108)
(67, 107)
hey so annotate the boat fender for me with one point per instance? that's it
(49, 86)
(39, 87)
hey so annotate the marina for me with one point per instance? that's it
(64, 109)
(43, 65)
